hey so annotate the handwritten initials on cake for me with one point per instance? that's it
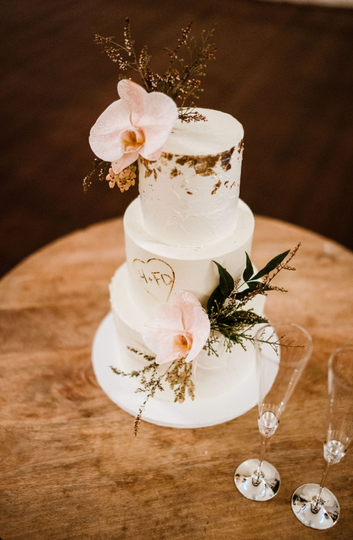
(156, 277)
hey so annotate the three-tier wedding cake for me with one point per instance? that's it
(186, 303)
(187, 216)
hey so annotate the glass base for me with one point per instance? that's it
(326, 514)
(267, 485)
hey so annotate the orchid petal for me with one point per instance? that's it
(104, 137)
(164, 323)
(154, 156)
(155, 137)
(170, 325)
(186, 302)
(124, 161)
(136, 96)
(162, 359)
(160, 115)
(200, 331)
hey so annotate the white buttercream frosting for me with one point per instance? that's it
(190, 195)
(218, 133)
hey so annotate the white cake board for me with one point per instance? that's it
(190, 414)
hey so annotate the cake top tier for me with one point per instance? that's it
(189, 196)
(219, 133)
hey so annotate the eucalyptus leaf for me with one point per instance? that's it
(252, 284)
(226, 282)
(223, 290)
(216, 296)
(249, 270)
(271, 265)
(242, 294)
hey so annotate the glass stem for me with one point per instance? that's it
(316, 504)
(257, 474)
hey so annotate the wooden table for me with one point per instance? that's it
(71, 467)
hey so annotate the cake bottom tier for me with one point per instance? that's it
(108, 352)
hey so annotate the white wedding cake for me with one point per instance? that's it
(188, 215)
(176, 348)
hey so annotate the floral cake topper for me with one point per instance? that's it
(141, 120)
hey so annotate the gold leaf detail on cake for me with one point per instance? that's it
(156, 276)
(225, 159)
(174, 172)
(149, 169)
(216, 187)
(203, 165)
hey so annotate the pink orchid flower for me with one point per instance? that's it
(138, 123)
(178, 329)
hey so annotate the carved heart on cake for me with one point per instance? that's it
(156, 276)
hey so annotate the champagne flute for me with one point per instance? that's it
(282, 351)
(313, 504)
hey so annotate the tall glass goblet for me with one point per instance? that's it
(282, 351)
(313, 504)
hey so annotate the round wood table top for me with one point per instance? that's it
(71, 467)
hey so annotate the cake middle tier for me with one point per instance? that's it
(156, 269)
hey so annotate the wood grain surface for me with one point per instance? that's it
(71, 467)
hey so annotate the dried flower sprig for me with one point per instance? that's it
(181, 83)
(149, 379)
(124, 179)
(181, 80)
(100, 168)
(178, 375)
(180, 380)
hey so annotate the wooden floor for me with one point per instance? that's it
(285, 71)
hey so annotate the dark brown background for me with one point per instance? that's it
(285, 71)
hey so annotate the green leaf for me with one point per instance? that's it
(271, 265)
(242, 294)
(226, 282)
(216, 296)
(248, 272)
(225, 287)
(252, 284)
